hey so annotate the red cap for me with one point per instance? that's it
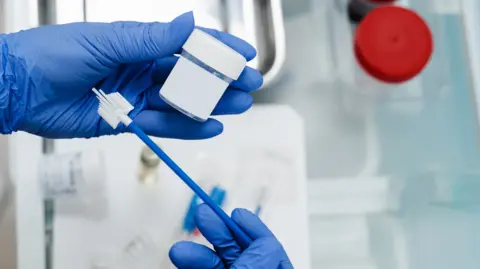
(393, 44)
(382, 1)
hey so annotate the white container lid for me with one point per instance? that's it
(215, 54)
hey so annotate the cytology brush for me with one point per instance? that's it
(114, 108)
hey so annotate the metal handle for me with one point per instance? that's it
(262, 24)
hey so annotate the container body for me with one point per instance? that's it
(194, 88)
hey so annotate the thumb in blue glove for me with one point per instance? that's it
(46, 76)
(264, 252)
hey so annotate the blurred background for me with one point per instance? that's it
(347, 171)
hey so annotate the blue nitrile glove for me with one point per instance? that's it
(264, 252)
(47, 73)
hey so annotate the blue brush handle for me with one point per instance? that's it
(243, 239)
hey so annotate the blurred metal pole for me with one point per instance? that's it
(48, 213)
(48, 146)
(224, 9)
(85, 10)
(47, 16)
(47, 12)
(8, 238)
(2, 16)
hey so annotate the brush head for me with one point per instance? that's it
(113, 107)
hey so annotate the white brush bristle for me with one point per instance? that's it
(111, 119)
(112, 106)
(121, 103)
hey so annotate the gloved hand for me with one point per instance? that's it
(264, 252)
(47, 73)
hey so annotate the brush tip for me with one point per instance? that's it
(113, 108)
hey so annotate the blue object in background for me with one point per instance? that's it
(189, 220)
(217, 194)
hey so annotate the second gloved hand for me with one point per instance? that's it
(47, 75)
(264, 253)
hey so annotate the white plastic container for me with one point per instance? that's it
(202, 74)
(72, 174)
(76, 181)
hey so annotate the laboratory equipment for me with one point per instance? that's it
(189, 225)
(114, 109)
(73, 174)
(77, 181)
(392, 43)
(149, 165)
(217, 193)
(396, 51)
(158, 210)
(202, 74)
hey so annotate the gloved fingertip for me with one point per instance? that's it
(249, 80)
(214, 127)
(179, 253)
(250, 53)
(234, 102)
(251, 224)
(240, 214)
(169, 38)
(245, 102)
(184, 23)
(186, 254)
(256, 80)
(176, 248)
